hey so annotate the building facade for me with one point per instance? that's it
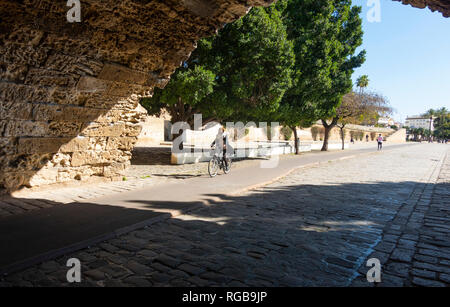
(386, 121)
(424, 122)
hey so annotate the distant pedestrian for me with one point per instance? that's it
(352, 141)
(380, 142)
(367, 138)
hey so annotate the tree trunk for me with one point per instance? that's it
(326, 137)
(342, 137)
(328, 128)
(296, 142)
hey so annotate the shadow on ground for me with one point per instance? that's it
(151, 156)
(298, 235)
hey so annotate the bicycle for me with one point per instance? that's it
(217, 163)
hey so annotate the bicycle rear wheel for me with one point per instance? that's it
(213, 167)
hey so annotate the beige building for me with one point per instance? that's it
(386, 121)
(420, 122)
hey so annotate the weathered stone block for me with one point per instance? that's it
(61, 129)
(42, 112)
(44, 77)
(15, 110)
(41, 145)
(96, 157)
(123, 74)
(73, 65)
(97, 129)
(24, 128)
(123, 143)
(91, 85)
(76, 144)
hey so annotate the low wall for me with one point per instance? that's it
(250, 150)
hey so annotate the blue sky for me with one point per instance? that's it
(408, 57)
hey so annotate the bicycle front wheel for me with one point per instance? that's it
(213, 167)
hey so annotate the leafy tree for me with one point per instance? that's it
(286, 132)
(356, 108)
(240, 74)
(344, 38)
(253, 59)
(184, 95)
(442, 132)
(439, 112)
(350, 111)
(442, 125)
(325, 34)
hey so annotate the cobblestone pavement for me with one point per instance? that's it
(315, 227)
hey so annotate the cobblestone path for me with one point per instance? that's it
(315, 227)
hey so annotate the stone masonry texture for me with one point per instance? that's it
(69, 92)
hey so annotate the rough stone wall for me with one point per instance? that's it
(69, 91)
(442, 6)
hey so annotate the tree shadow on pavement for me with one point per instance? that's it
(297, 235)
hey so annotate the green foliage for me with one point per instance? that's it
(286, 132)
(254, 62)
(360, 135)
(291, 62)
(362, 82)
(184, 94)
(240, 74)
(314, 132)
(321, 133)
(442, 132)
(442, 125)
(326, 34)
(438, 112)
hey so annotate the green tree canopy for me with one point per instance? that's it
(184, 94)
(240, 74)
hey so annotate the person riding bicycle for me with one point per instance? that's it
(221, 143)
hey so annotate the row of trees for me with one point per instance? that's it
(289, 63)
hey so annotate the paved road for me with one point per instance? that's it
(37, 235)
(316, 226)
(150, 167)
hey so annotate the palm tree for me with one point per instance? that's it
(430, 112)
(362, 82)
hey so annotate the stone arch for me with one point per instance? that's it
(69, 91)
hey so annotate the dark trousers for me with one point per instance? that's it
(380, 145)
